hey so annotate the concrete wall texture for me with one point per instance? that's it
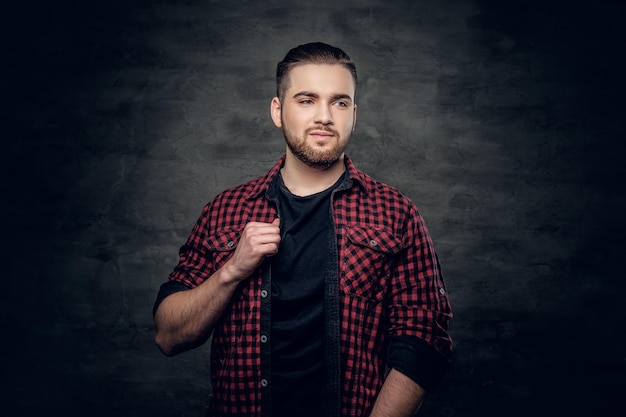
(503, 122)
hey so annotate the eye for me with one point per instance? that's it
(341, 103)
(305, 101)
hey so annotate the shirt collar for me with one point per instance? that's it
(267, 182)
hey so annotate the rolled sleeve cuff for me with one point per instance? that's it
(168, 288)
(418, 360)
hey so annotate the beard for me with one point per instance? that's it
(313, 156)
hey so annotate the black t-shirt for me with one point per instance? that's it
(297, 336)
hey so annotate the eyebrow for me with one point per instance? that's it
(315, 95)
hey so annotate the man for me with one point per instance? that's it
(320, 285)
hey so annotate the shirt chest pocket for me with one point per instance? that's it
(366, 261)
(222, 245)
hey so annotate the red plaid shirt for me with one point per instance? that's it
(387, 282)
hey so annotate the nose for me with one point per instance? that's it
(323, 115)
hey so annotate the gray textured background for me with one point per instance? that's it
(504, 123)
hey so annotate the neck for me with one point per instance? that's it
(303, 180)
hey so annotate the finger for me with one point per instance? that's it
(260, 225)
(262, 228)
(271, 249)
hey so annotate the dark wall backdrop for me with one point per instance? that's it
(503, 121)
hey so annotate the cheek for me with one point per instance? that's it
(291, 118)
(347, 122)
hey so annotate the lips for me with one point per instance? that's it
(321, 134)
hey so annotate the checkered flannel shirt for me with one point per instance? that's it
(387, 283)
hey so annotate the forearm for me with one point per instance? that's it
(185, 319)
(399, 396)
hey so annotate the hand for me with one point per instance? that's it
(258, 241)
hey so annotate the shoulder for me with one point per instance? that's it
(233, 198)
(378, 191)
(238, 192)
(252, 189)
(385, 194)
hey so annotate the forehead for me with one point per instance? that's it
(321, 79)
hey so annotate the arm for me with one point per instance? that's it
(185, 319)
(418, 343)
(399, 396)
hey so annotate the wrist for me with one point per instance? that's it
(229, 274)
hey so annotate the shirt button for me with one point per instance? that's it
(442, 291)
(263, 338)
(373, 243)
(230, 244)
(264, 383)
(264, 293)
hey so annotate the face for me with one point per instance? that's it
(317, 113)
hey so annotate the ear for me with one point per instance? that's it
(276, 112)
(354, 119)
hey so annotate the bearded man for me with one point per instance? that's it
(320, 286)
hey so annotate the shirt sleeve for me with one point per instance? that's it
(194, 264)
(417, 360)
(419, 311)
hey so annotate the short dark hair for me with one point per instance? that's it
(311, 53)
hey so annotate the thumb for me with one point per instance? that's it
(276, 221)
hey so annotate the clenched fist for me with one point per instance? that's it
(258, 241)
